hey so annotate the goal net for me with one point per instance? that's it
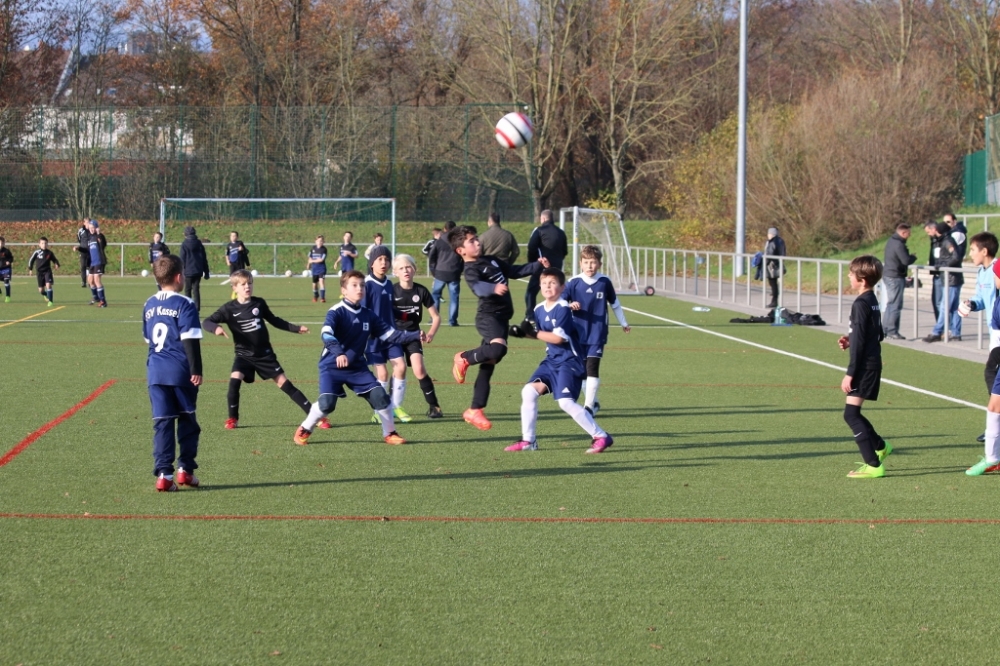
(278, 232)
(603, 228)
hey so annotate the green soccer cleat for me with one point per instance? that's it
(400, 415)
(866, 471)
(884, 453)
(984, 466)
(376, 419)
(7, 299)
(48, 304)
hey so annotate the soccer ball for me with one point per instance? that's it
(288, 274)
(514, 130)
(145, 273)
(305, 273)
(254, 272)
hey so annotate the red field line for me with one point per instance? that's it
(30, 439)
(515, 519)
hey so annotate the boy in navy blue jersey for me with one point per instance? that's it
(96, 242)
(173, 370)
(245, 317)
(41, 262)
(348, 327)
(379, 298)
(316, 263)
(864, 373)
(487, 278)
(590, 294)
(6, 268)
(346, 254)
(561, 372)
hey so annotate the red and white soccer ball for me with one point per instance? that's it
(514, 130)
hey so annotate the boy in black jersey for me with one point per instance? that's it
(237, 254)
(157, 249)
(6, 268)
(245, 318)
(41, 261)
(487, 278)
(409, 301)
(81, 248)
(864, 373)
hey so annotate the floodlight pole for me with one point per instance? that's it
(741, 158)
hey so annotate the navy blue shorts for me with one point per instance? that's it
(593, 351)
(562, 380)
(5, 273)
(333, 380)
(383, 356)
(169, 402)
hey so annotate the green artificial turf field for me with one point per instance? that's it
(720, 527)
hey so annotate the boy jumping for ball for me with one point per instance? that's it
(6, 268)
(348, 327)
(487, 278)
(410, 300)
(561, 372)
(590, 294)
(245, 318)
(173, 372)
(864, 373)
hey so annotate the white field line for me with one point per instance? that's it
(840, 368)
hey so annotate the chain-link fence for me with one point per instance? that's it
(438, 162)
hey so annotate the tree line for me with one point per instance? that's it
(860, 110)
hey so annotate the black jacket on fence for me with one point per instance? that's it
(193, 255)
(897, 257)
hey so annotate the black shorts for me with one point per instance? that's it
(44, 277)
(415, 347)
(317, 277)
(235, 267)
(96, 270)
(490, 327)
(266, 367)
(866, 382)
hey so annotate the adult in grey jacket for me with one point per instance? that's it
(195, 262)
(498, 242)
(897, 259)
(446, 267)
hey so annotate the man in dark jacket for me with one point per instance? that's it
(774, 248)
(931, 229)
(897, 258)
(446, 267)
(195, 262)
(958, 232)
(949, 256)
(498, 242)
(549, 241)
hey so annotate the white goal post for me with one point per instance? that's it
(238, 209)
(604, 228)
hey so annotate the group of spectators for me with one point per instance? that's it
(446, 266)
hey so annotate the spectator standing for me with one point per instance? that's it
(549, 241)
(775, 247)
(932, 232)
(426, 249)
(195, 262)
(446, 268)
(958, 232)
(498, 242)
(897, 259)
(951, 284)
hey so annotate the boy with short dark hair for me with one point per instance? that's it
(561, 372)
(157, 249)
(347, 254)
(41, 261)
(316, 263)
(487, 278)
(348, 327)
(237, 254)
(173, 372)
(6, 268)
(245, 317)
(983, 251)
(590, 294)
(864, 372)
(990, 462)
(96, 242)
(379, 299)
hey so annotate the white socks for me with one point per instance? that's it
(529, 412)
(398, 391)
(385, 415)
(590, 391)
(581, 416)
(992, 434)
(315, 414)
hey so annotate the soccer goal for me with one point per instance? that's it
(273, 219)
(603, 228)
